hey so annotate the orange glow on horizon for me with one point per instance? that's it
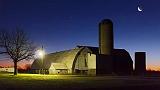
(9, 63)
(153, 67)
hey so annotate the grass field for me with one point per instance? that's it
(74, 82)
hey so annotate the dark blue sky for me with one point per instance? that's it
(63, 24)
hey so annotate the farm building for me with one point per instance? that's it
(104, 59)
(78, 60)
(81, 60)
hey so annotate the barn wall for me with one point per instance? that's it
(52, 70)
(86, 63)
(91, 64)
(81, 62)
(58, 71)
(58, 68)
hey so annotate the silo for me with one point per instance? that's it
(106, 37)
(140, 63)
(104, 63)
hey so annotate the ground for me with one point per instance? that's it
(74, 82)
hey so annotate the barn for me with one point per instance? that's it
(80, 60)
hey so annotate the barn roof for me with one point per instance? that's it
(66, 57)
(59, 66)
(94, 50)
(116, 52)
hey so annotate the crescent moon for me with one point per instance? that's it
(139, 9)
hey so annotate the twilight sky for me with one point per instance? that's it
(63, 24)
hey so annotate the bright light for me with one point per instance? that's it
(40, 53)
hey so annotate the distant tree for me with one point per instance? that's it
(16, 45)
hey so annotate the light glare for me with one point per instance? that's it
(40, 53)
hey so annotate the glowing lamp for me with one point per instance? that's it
(40, 53)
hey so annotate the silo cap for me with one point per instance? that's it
(106, 21)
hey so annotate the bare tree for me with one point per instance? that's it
(17, 46)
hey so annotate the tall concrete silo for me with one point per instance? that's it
(140, 63)
(104, 64)
(106, 37)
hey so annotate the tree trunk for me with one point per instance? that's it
(15, 68)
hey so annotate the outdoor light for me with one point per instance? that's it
(40, 53)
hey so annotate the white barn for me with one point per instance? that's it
(79, 60)
(82, 60)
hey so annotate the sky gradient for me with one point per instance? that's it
(63, 24)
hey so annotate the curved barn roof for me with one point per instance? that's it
(66, 57)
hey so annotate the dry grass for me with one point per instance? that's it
(37, 81)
